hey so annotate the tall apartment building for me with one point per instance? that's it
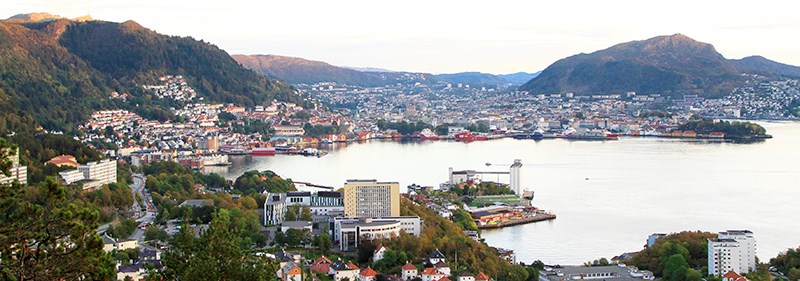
(103, 171)
(370, 198)
(17, 172)
(732, 250)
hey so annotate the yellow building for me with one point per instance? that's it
(371, 199)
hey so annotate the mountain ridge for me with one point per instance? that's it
(672, 65)
(299, 70)
(46, 65)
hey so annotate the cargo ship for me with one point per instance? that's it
(590, 135)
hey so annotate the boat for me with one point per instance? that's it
(468, 137)
(216, 160)
(237, 151)
(536, 135)
(428, 134)
(591, 135)
(263, 151)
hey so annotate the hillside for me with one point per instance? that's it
(472, 78)
(48, 64)
(519, 78)
(672, 65)
(298, 70)
(761, 65)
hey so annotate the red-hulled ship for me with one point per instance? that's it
(468, 136)
(263, 151)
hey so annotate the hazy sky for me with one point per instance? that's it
(449, 36)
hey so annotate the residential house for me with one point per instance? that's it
(432, 274)
(378, 254)
(321, 265)
(466, 276)
(291, 272)
(341, 270)
(409, 271)
(367, 274)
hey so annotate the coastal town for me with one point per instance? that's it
(203, 132)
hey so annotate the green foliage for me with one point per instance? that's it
(153, 233)
(218, 254)
(403, 127)
(692, 246)
(257, 182)
(128, 50)
(449, 238)
(599, 262)
(319, 131)
(733, 129)
(122, 229)
(480, 127)
(176, 180)
(483, 189)
(35, 224)
(462, 218)
(296, 238)
(323, 242)
(787, 262)
(675, 268)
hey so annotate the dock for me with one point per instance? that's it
(529, 219)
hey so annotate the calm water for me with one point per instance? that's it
(609, 196)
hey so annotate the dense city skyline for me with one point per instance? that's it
(444, 36)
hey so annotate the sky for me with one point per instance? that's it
(443, 36)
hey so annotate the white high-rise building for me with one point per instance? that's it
(733, 250)
(104, 171)
(17, 173)
(515, 178)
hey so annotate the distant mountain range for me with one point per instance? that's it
(58, 71)
(671, 65)
(298, 70)
(486, 79)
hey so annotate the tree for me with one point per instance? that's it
(6, 150)
(323, 242)
(45, 235)
(219, 254)
(296, 237)
(675, 268)
(305, 214)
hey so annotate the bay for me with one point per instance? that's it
(609, 196)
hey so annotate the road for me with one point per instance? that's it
(149, 215)
(143, 218)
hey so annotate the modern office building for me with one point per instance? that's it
(732, 250)
(275, 208)
(370, 198)
(321, 203)
(349, 231)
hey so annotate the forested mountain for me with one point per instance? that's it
(59, 71)
(672, 65)
(298, 70)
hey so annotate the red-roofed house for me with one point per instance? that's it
(409, 271)
(322, 265)
(733, 276)
(64, 161)
(432, 274)
(482, 277)
(367, 274)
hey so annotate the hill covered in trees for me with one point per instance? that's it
(59, 71)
